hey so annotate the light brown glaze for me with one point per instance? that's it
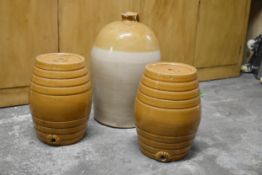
(127, 35)
(167, 110)
(174, 122)
(60, 108)
(59, 74)
(60, 139)
(171, 72)
(60, 103)
(60, 82)
(168, 95)
(164, 138)
(169, 86)
(168, 104)
(163, 156)
(62, 131)
(74, 90)
(60, 61)
(60, 125)
(157, 144)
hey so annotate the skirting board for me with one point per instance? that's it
(13, 96)
(214, 73)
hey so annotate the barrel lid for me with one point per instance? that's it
(60, 61)
(171, 72)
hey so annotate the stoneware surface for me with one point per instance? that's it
(228, 141)
(60, 74)
(165, 124)
(120, 53)
(60, 102)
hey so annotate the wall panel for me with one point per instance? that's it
(81, 20)
(174, 22)
(28, 28)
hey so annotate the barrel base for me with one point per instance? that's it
(161, 156)
(114, 125)
(163, 148)
(60, 140)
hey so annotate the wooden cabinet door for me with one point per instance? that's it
(221, 33)
(174, 22)
(27, 28)
(81, 20)
(208, 34)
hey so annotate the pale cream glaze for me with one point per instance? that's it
(115, 78)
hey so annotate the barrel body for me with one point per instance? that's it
(60, 98)
(167, 110)
(120, 53)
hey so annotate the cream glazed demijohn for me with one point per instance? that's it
(120, 53)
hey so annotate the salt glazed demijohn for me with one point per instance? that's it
(120, 53)
(60, 98)
(167, 110)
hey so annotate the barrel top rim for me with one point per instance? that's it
(60, 59)
(171, 69)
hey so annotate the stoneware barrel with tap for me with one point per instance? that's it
(120, 53)
(167, 110)
(60, 98)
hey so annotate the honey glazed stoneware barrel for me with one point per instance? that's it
(120, 53)
(167, 110)
(60, 98)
